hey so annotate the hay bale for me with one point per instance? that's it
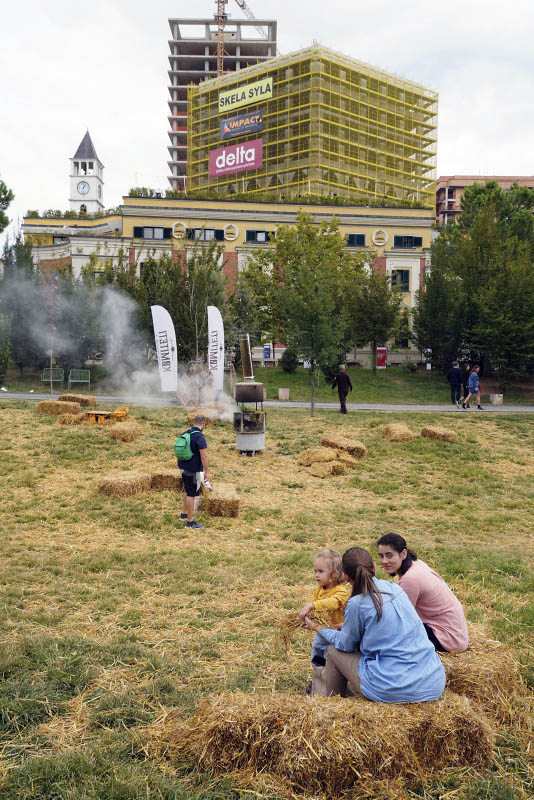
(221, 501)
(126, 432)
(435, 432)
(57, 407)
(68, 419)
(80, 418)
(167, 479)
(346, 459)
(398, 432)
(344, 443)
(323, 470)
(486, 673)
(125, 484)
(82, 399)
(316, 455)
(122, 410)
(325, 746)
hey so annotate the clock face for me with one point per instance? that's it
(83, 187)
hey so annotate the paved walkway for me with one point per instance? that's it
(444, 408)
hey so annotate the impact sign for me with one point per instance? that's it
(241, 125)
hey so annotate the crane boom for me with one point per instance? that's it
(246, 10)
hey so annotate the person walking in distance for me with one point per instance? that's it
(194, 469)
(342, 381)
(465, 380)
(474, 389)
(454, 376)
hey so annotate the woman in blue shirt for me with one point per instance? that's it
(382, 651)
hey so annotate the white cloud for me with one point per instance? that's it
(103, 66)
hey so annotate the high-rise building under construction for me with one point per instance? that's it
(193, 58)
(313, 122)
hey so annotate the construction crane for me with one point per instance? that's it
(220, 18)
(246, 10)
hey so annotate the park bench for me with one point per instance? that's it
(53, 375)
(80, 376)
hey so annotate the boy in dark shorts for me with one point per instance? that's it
(194, 471)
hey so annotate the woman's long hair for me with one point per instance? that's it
(399, 544)
(358, 566)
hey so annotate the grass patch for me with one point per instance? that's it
(112, 611)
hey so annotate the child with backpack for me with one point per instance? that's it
(190, 448)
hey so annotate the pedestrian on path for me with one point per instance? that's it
(474, 389)
(454, 376)
(342, 381)
(465, 380)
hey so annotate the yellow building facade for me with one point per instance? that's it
(394, 240)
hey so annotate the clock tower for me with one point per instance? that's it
(86, 181)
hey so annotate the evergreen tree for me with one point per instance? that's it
(6, 196)
(372, 311)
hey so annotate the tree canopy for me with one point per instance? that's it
(478, 301)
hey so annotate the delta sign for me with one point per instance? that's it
(241, 125)
(235, 158)
(245, 95)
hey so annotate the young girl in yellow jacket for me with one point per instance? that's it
(329, 599)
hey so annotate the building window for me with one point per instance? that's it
(258, 237)
(400, 279)
(83, 209)
(151, 233)
(407, 242)
(205, 234)
(356, 240)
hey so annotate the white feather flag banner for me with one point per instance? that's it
(166, 348)
(216, 348)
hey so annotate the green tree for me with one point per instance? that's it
(185, 289)
(439, 316)
(6, 196)
(372, 311)
(5, 344)
(298, 285)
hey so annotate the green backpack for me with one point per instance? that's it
(182, 446)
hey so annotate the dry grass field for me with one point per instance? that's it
(113, 613)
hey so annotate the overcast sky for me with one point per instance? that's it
(102, 65)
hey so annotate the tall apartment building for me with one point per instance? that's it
(317, 122)
(193, 59)
(450, 189)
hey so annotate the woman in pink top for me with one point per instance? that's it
(440, 611)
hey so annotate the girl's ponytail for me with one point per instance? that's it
(358, 566)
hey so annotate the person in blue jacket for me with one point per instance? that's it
(474, 389)
(382, 650)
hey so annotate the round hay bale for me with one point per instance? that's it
(323, 470)
(341, 442)
(57, 407)
(435, 432)
(486, 673)
(398, 432)
(125, 484)
(167, 479)
(126, 432)
(68, 419)
(221, 501)
(327, 745)
(316, 455)
(82, 399)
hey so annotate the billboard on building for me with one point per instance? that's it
(240, 125)
(235, 158)
(245, 95)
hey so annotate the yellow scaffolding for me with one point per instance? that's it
(334, 126)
